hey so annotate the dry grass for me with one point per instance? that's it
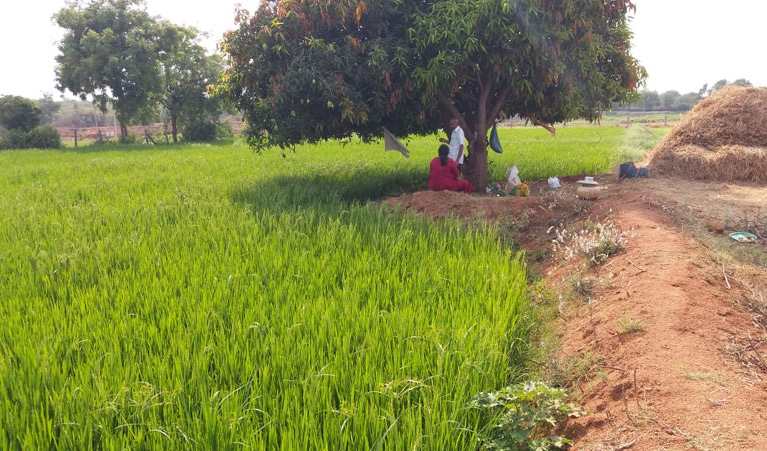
(722, 138)
(628, 325)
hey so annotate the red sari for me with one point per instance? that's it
(445, 178)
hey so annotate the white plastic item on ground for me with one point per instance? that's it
(554, 182)
(512, 176)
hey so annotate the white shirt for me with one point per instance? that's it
(456, 140)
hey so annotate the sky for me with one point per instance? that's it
(683, 44)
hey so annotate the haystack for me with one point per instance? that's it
(723, 138)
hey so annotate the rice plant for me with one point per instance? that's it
(574, 150)
(208, 297)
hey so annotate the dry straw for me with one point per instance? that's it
(723, 138)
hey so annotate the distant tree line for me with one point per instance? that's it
(20, 127)
(674, 100)
(138, 67)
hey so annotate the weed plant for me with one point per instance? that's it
(627, 325)
(595, 242)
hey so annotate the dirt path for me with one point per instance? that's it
(691, 391)
(656, 342)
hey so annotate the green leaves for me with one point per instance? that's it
(18, 113)
(232, 300)
(522, 415)
(407, 66)
(114, 51)
(352, 55)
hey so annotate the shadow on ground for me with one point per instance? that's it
(290, 192)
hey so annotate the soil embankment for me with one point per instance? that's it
(659, 343)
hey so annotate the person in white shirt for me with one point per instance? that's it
(456, 143)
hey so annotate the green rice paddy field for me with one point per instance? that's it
(208, 297)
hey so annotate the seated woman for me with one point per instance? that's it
(443, 175)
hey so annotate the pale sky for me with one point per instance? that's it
(682, 43)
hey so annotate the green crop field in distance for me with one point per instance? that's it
(208, 297)
(574, 150)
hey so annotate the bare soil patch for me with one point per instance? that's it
(665, 346)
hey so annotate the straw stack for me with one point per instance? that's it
(723, 138)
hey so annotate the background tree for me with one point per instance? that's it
(316, 69)
(718, 85)
(650, 100)
(685, 102)
(186, 71)
(20, 117)
(18, 113)
(644, 101)
(109, 51)
(48, 108)
(723, 82)
(668, 100)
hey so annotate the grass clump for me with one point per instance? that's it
(627, 325)
(569, 372)
(595, 242)
(705, 377)
(581, 286)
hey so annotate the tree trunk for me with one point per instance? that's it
(123, 131)
(173, 128)
(476, 173)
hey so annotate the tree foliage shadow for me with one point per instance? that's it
(301, 191)
(341, 189)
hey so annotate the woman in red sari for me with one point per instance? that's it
(443, 174)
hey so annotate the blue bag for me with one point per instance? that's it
(629, 171)
(495, 141)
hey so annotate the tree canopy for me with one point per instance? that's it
(185, 72)
(109, 51)
(317, 69)
(18, 113)
(120, 55)
(48, 108)
(20, 117)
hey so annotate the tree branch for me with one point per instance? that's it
(496, 109)
(548, 127)
(475, 80)
(482, 107)
(467, 95)
(445, 101)
(488, 81)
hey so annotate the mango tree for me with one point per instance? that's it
(318, 69)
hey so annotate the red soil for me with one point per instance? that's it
(690, 377)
